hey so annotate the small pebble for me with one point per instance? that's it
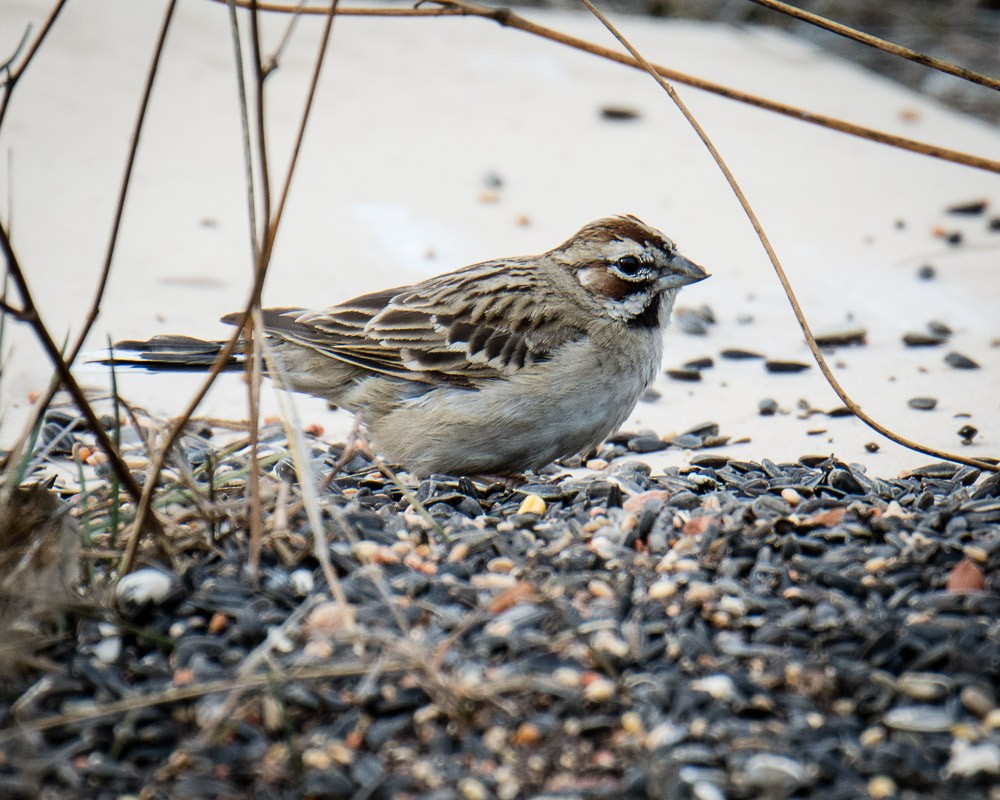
(922, 403)
(872, 447)
(926, 272)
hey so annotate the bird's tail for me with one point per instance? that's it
(169, 353)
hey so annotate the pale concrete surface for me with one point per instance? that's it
(413, 114)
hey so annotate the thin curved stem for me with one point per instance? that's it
(14, 75)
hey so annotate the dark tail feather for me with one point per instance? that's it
(168, 353)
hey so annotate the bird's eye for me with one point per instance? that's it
(629, 266)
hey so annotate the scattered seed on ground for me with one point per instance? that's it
(959, 361)
(619, 113)
(968, 433)
(842, 338)
(971, 209)
(690, 375)
(785, 366)
(921, 339)
(699, 363)
(739, 355)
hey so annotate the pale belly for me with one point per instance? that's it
(552, 411)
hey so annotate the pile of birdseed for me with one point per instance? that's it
(730, 629)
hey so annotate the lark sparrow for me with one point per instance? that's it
(496, 368)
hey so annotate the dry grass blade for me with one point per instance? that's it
(194, 691)
(507, 18)
(779, 270)
(880, 44)
(307, 484)
(253, 364)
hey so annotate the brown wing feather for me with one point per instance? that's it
(458, 328)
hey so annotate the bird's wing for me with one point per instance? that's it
(489, 320)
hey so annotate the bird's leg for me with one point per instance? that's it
(355, 445)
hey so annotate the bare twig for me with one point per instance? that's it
(17, 313)
(263, 164)
(255, 343)
(6, 65)
(253, 364)
(880, 44)
(14, 75)
(507, 18)
(779, 270)
(272, 62)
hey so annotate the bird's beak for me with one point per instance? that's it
(681, 272)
